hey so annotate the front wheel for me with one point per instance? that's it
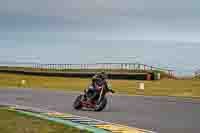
(101, 105)
(77, 103)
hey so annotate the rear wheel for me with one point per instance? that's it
(77, 103)
(101, 105)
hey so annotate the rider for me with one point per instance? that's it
(91, 91)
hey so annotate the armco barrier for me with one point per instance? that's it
(133, 76)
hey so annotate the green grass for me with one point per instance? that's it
(164, 87)
(12, 122)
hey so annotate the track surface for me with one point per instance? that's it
(160, 114)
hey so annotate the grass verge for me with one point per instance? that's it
(164, 87)
(13, 122)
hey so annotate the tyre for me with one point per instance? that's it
(77, 103)
(101, 105)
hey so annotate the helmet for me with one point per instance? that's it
(102, 75)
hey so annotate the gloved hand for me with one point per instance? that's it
(112, 91)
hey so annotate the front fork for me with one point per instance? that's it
(100, 96)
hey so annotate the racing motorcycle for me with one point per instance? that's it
(98, 103)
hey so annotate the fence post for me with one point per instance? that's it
(144, 67)
(140, 88)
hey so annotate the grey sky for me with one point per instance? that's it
(124, 19)
(101, 7)
(34, 26)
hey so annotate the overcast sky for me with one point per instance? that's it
(27, 26)
(124, 19)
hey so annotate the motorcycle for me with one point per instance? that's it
(98, 103)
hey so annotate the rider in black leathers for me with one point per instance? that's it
(91, 91)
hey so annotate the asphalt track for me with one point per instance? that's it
(160, 114)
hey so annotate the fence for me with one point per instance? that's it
(102, 66)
